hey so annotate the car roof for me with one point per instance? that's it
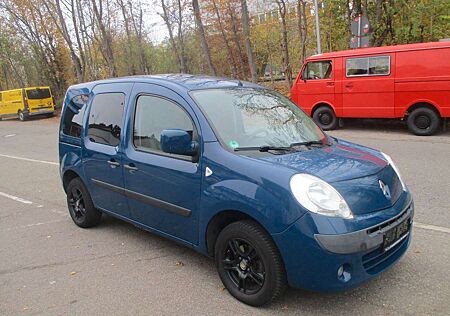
(182, 81)
(380, 50)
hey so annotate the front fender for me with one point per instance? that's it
(275, 211)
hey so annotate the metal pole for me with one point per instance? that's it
(359, 31)
(316, 9)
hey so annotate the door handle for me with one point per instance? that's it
(131, 167)
(330, 84)
(349, 85)
(113, 163)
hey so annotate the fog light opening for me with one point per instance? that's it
(344, 273)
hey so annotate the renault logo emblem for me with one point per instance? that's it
(385, 189)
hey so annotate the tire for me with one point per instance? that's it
(423, 121)
(325, 117)
(249, 264)
(80, 205)
(22, 116)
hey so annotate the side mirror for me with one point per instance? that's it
(179, 142)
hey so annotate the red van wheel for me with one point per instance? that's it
(423, 121)
(324, 117)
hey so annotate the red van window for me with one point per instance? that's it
(368, 66)
(317, 70)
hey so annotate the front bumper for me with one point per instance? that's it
(313, 254)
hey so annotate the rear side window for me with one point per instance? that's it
(317, 70)
(105, 118)
(38, 94)
(368, 66)
(73, 116)
(153, 115)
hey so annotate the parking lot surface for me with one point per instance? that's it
(50, 266)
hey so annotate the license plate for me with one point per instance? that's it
(395, 233)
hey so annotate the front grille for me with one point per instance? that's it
(380, 258)
(397, 219)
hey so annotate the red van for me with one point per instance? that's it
(405, 81)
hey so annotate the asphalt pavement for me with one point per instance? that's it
(50, 266)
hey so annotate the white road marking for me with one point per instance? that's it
(15, 198)
(432, 227)
(31, 160)
(9, 135)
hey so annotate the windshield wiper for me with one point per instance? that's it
(264, 148)
(310, 143)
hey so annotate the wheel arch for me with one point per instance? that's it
(219, 221)
(68, 176)
(319, 104)
(424, 104)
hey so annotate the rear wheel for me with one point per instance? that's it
(80, 205)
(423, 121)
(249, 264)
(22, 116)
(325, 117)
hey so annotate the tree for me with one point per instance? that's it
(248, 43)
(203, 41)
(302, 25)
(284, 43)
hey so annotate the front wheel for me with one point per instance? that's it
(80, 205)
(423, 121)
(325, 117)
(22, 116)
(249, 264)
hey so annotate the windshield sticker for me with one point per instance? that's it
(233, 144)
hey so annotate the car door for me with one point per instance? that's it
(163, 190)
(316, 84)
(102, 155)
(368, 86)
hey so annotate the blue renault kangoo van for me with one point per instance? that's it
(237, 172)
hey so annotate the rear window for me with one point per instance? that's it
(73, 116)
(105, 118)
(368, 66)
(38, 94)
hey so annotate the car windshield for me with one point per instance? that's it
(257, 118)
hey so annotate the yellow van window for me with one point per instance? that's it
(38, 94)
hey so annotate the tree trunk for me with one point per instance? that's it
(226, 42)
(201, 32)
(236, 40)
(130, 63)
(60, 24)
(181, 38)
(284, 44)
(106, 40)
(248, 43)
(168, 23)
(302, 27)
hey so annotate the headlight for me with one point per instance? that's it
(391, 162)
(318, 196)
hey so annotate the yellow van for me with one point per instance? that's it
(27, 102)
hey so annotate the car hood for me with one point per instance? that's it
(338, 162)
(354, 170)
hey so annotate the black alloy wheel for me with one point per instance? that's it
(244, 266)
(249, 263)
(76, 204)
(81, 207)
